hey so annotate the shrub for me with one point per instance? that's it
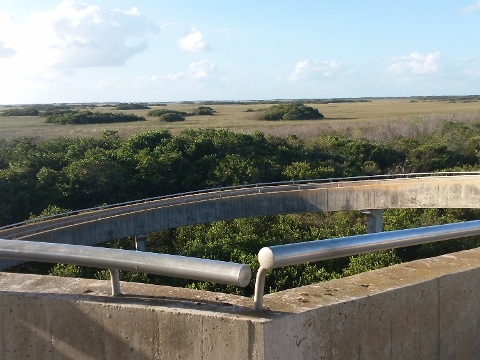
(290, 111)
(88, 117)
(171, 117)
(203, 110)
(160, 112)
(21, 112)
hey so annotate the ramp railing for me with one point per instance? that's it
(116, 259)
(298, 253)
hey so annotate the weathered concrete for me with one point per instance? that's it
(427, 309)
(374, 220)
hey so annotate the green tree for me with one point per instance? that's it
(371, 261)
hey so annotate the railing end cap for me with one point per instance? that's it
(266, 258)
(244, 276)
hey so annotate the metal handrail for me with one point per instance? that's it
(116, 259)
(298, 253)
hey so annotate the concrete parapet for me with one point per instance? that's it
(426, 309)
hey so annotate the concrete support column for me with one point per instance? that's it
(374, 220)
(141, 242)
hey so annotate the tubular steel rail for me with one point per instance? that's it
(298, 253)
(115, 259)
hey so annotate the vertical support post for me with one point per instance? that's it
(259, 289)
(374, 220)
(141, 242)
(115, 280)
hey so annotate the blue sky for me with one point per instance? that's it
(146, 50)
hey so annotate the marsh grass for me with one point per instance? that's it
(378, 120)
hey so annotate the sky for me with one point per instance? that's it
(54, 51)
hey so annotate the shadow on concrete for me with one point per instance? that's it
(91, 326)
(48, 326)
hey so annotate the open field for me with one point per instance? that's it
(375, 118)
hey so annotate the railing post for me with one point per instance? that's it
(140, 242)
(259, 288)
(115, 280)
(374, 220)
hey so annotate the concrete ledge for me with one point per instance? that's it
(423, 309)
(427, 309)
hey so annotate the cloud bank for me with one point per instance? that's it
(76, 35)
(415, 64)
(471, 8)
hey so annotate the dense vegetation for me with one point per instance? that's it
(161, 112)
(175, 115)
(45, 177)
(28, 111)
(290, 111)
(89, 117)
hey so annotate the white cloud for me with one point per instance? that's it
(193, 42)
(6, 51)
(7, 30)
(470, 8)
(314, 69)
(415, 65)
(203, 70)
(197, 72)
(76, 35)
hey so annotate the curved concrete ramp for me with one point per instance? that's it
(462, 191)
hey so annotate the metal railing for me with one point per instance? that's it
(116, 259)
(298, 253)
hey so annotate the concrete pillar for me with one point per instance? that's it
(374, 220)
(141, 242)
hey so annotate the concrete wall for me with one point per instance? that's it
(427, 309)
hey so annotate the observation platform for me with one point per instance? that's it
(426, 309)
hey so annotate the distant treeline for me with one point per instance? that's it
(449, 98)
(276, 101)
(132, 106)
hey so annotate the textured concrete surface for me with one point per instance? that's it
(427, 309)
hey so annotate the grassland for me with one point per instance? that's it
(374, 119)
